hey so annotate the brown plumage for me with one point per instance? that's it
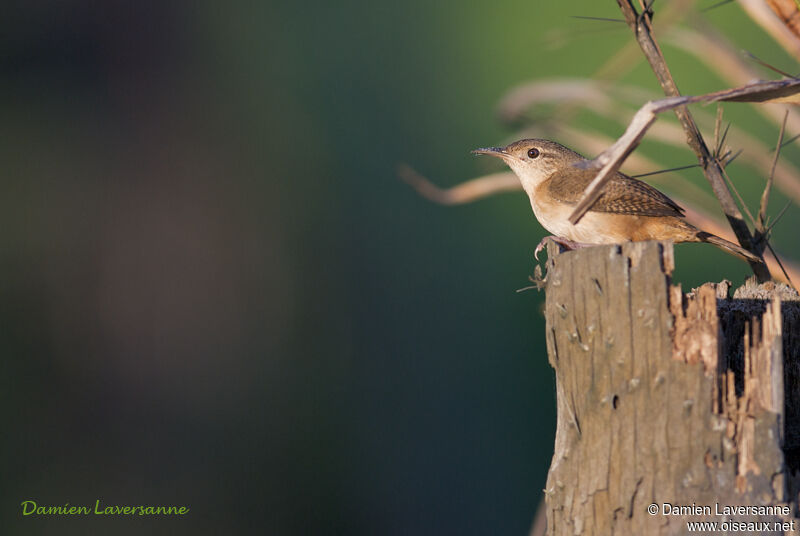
(621, 195)
(555, 178)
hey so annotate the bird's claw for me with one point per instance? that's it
(539, 247)
(563, 242)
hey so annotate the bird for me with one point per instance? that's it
(628, 210)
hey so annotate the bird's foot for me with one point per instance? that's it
(565, 243)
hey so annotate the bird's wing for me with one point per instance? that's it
(621, 195)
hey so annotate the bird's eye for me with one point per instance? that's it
(533, 153)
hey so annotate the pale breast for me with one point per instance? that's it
(593, 228)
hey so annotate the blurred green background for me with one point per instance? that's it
(216, 293)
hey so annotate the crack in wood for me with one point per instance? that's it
(719, 419)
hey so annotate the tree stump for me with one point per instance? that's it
(673, 408)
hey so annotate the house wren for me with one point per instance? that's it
(628, 209)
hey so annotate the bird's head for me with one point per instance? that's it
(533, 160)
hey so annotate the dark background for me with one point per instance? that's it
(215, 292)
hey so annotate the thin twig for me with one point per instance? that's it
(719, 141)
(739, 197)
(790, 140)
(603, 19)
(765, 64)
(714, 6)
(731, 159)
(713, 170)
(778, 217)
(724, 137)
(664, 171)
(762, 212)
(778, 260)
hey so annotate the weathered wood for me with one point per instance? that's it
(667, 398)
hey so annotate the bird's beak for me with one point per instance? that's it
(499, 152)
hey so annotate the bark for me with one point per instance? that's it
(665, 398)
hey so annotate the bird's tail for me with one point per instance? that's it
(728, 246)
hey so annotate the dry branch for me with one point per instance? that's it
(642, 28)
(488, 185)
(614, 156)
(612, 103)
(465, 192)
